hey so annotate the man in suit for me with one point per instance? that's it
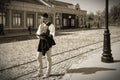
(46, 33)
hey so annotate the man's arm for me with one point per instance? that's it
(38, 31)
(52, 30)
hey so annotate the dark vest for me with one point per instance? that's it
(46, 41)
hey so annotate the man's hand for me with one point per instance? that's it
(51, 36)
(38, 36)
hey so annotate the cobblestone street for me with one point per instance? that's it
(18, 59)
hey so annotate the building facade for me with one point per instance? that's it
(21, 14)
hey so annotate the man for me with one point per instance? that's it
(46, 33)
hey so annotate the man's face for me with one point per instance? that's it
(45, 19)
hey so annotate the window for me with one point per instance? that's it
(64, 22)
(30, 20)
(16, 19)
(2, 18)
(57, 21)
(81, 21)
(72, 22)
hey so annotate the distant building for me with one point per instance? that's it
(21, 14)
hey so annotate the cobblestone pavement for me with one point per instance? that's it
(18, 59)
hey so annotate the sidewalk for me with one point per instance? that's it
(14, 34)
(93, 69)
(26, 33)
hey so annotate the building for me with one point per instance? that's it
(21, 14)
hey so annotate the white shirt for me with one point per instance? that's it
(43, 28)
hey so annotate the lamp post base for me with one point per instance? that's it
(107, 59)
(107, 56)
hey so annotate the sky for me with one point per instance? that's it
(92, 5)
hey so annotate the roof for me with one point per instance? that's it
(46, 2)
(61, 3)
(31, 1)
(57, 3)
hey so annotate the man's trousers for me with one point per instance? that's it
(48, 59)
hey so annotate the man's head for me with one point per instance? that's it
(45, 17)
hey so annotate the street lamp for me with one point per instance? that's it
(106, 56)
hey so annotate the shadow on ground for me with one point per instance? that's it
(89, 70)
(116, 61)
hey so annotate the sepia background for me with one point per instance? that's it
(79, 27)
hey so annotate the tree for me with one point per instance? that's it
(90, 18)
(100, 15)
(98, 18)
(115, 14)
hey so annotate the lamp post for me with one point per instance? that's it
(106, 56)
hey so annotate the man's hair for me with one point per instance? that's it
(45, 15)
